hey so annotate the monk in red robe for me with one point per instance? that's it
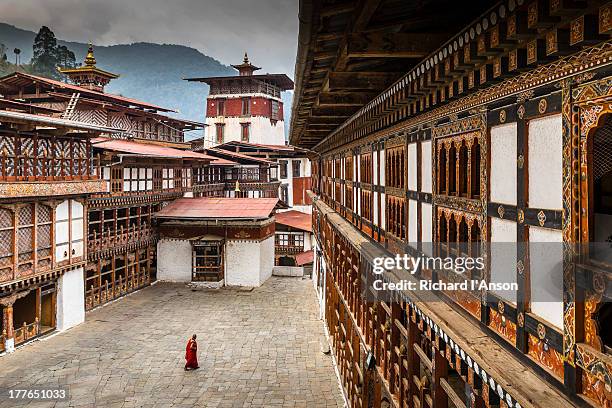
(191, 354)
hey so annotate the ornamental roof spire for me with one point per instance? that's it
(246, 68)
(88, 75)
(90, 60)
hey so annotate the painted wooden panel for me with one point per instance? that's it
(503, 167)
(545, 167)
(503, 255)
(412, 166)
(412, 223)
(426, 231)
(546, 274)
(426, 167)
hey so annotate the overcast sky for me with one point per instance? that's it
(222, 29)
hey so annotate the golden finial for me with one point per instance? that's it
(90, 60)
(246, 58)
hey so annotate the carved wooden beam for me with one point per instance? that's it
(344, 99)
(392, 45)
(374, 81)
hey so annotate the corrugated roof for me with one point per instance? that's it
(53, 122)
(219, 208)
(146, 149)
(295, 219)
(304, 258)
(82, 90)
(239, 156)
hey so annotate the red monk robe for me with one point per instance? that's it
(191, 354)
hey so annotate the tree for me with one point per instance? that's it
(65, 57)
(17, 52)
(45, 58)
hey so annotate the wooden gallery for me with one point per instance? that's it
(450, 129)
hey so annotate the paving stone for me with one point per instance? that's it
(258, 348)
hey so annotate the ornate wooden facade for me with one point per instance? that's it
(491, 137)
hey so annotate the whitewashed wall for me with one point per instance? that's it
(174, 260)
(266, 258)
(262, 130)
(248, 263)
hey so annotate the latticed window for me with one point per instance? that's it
(348, 168)
(296, 168)
(157, 179)
(116, 179)
(396, 219)
(395, 167)
(25, 233)
(43, 235)
(366, 168)
(6, 239)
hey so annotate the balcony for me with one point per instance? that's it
(123, 236)
(46, 167)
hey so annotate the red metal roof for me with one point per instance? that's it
(257, 145)
(146, 149)
(239, 155)
(219, 208)
(218, 161)
(304, 258)
(295, 219)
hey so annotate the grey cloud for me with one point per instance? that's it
(223, 29)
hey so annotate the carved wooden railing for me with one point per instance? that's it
(27, 331)
(133, 233)
(288, 250)
(99, 295)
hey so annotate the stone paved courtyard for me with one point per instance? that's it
(257, 348)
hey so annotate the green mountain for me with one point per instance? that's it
(150, 72)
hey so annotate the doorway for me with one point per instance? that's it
(207, 261)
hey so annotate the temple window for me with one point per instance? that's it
(295, 167)
(458, 166)
(366, 168)
(396, 222)
(475, 169)
(395, 167)
(452, 170)
(348, 167)
(442, 170)
(245, 131)
(283, 168)
(246, 106)
(220, 127)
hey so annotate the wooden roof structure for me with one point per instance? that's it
(350, 51)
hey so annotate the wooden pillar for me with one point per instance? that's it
(469, 170)
(440, 370)
(457, 168)
(7, 320)
(447, 169)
